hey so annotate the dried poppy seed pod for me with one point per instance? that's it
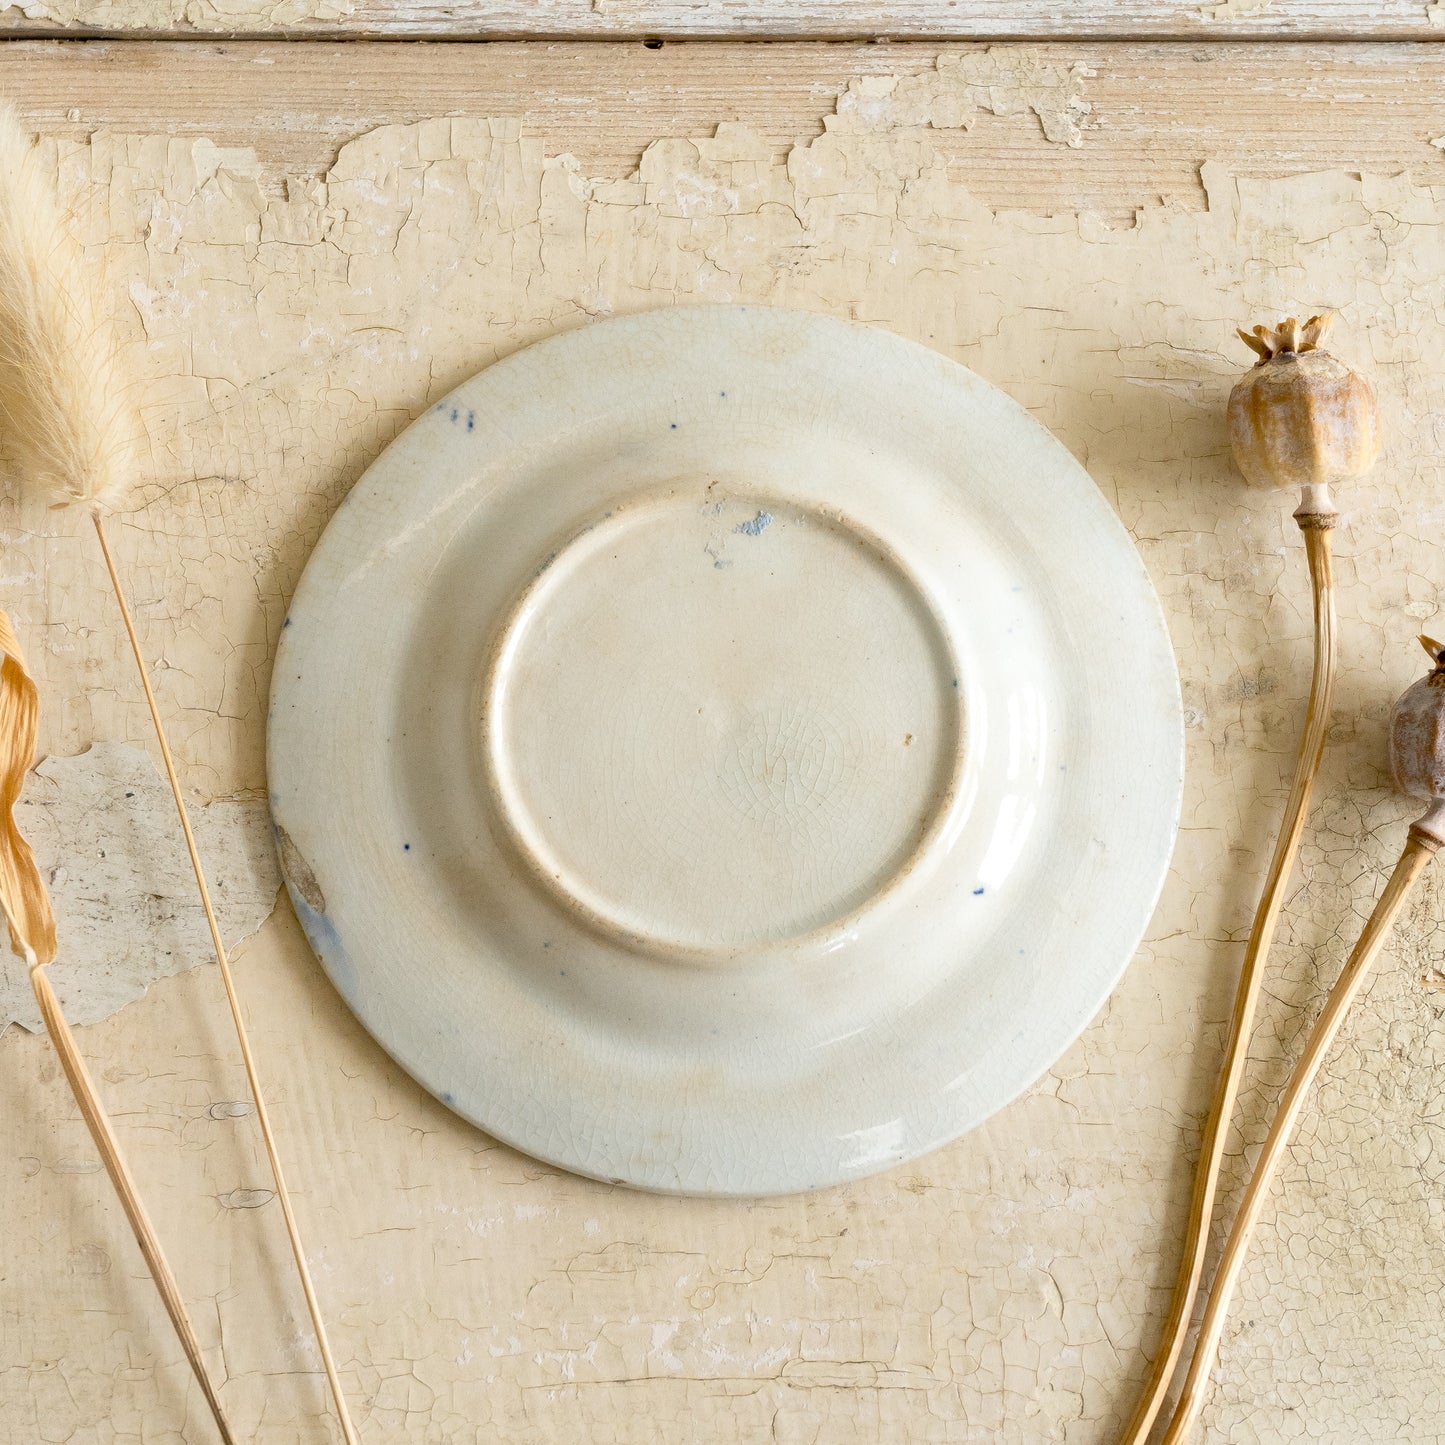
(1301, 417)
(1417, 741)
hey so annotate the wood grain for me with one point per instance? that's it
(1009, 1286)
(754, 19)
(1158, 111)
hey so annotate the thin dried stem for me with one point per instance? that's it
(98, 1122)
(64, 419)
(27, 910)
(263, 1118)
(1420, 847)
(1317, 534)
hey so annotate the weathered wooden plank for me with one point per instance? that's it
(753, 19)
(1009, 1286)
(1155, 112)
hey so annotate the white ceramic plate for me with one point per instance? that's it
(725, 750)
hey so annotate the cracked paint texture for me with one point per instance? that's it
(1006, 1289)
(203, 15)
(103, 826)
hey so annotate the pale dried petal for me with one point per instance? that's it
(22, 893)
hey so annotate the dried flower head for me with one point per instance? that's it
(1417, 731)
(63, 424)
(1301, 417)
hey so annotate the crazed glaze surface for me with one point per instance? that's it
(771, 753)
(713, 747)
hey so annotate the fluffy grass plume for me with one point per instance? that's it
(64, 427)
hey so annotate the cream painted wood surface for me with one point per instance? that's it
(1154, 113)
(735, 19)
(310, 242)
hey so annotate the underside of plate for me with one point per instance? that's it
(725, 750)
(719, 722)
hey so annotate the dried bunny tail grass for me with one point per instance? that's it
(64, 425)
(68, 432)
(26, 906)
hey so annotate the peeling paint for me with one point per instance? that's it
(1004, 1290)
(949, 96)
(1234, 9)
(245, 1198)
(232, 1109)
(104, 829)
(219, 15)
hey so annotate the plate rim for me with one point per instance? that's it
(321, 934)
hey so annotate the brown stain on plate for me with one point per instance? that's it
(297, 871)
